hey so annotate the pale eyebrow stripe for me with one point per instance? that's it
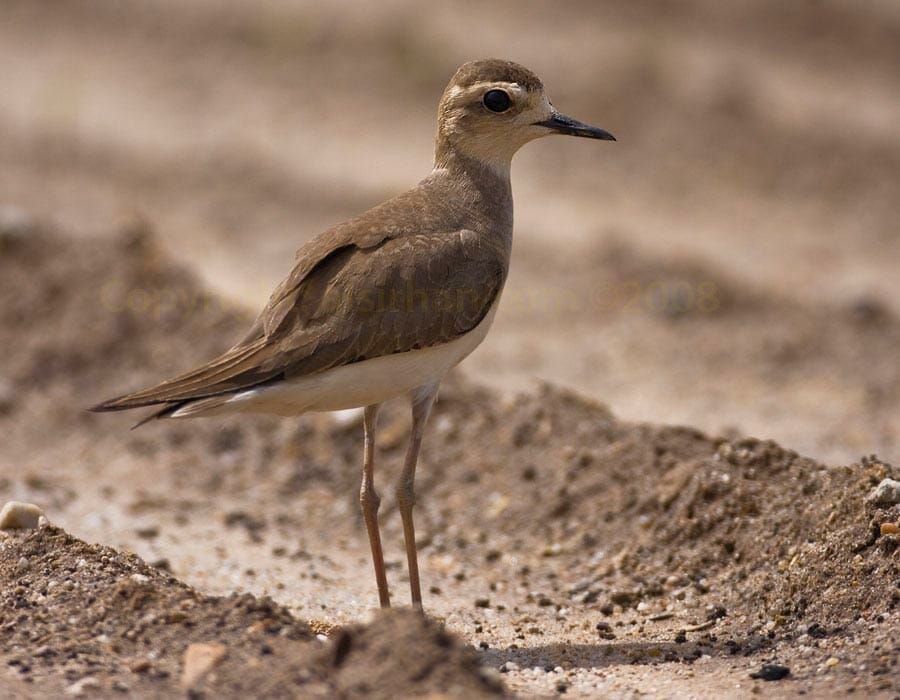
(478, 87)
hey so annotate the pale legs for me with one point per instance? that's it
(369, 500)
(422, 401)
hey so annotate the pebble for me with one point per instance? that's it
(22, 564)
(890, 528)
(140, 665)
(771, 672)
(20, 516)
(83, 687)
(200, 659)
(886, 493)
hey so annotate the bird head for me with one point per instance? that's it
(492, 108)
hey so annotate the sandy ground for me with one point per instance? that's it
(576, 552)
(729, 264)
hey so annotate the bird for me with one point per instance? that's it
(385, 304)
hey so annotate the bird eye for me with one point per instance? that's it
(496, 100)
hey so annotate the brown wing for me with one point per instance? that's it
(359, 300)
(407, 293)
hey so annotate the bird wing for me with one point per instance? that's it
(351, 298)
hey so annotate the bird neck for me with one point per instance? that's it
(489, 177)
(474, 154)
(483, 193)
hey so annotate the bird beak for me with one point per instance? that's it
(562, 124)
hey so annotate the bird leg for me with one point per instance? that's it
(369, 500)
(422, 400)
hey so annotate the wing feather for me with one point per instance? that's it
(347, 301)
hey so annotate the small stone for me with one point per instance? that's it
(771, 672)
(20, 516)
(482, 603)
(833, 661)
(887, 493)
(22, 564)
(890, 528)
(816, 631)
(139, 666)
(200, 659)
(719, 611)
(83, 687)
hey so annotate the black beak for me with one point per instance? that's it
(562, 124)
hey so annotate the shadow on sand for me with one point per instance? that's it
(615, 653)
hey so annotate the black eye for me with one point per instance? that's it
(496, 100)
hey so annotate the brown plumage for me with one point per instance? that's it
(388, 302)
(385, 282)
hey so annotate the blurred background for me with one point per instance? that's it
(731, 263)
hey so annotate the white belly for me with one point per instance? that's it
(360, 384)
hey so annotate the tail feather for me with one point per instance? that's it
(165, 411)
(237, 369)
(185, 409)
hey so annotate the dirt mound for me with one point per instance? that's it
(778, 536)
(73, 611)
(402, 651)
(744, 524)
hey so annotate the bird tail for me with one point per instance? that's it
(199, 390)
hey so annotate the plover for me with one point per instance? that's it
(385, 304)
